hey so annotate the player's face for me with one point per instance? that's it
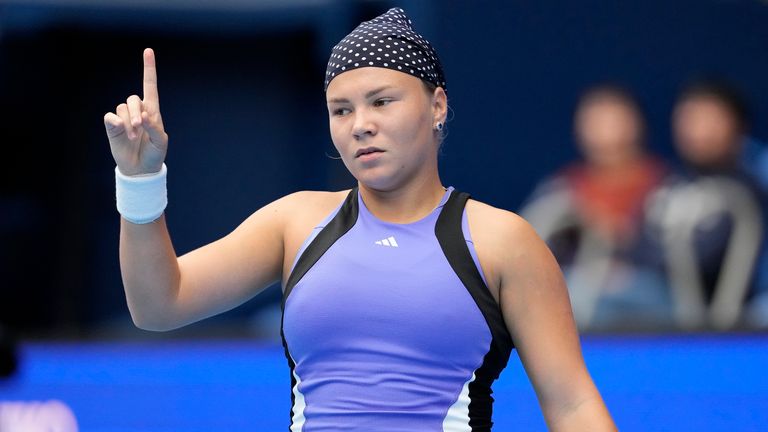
(382, 124)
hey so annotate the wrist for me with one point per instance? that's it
(137, 173)
(141, 198)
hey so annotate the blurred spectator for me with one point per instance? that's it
(591, 215)
(29, 416)
(711, 216)
(755, 160)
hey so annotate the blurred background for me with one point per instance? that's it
(630, 134)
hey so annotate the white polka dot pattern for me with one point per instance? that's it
(386, 41)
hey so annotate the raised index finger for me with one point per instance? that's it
(150, 80)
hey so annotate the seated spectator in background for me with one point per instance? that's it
(591, 215)
(755, 160)
(29, 416)
(711, 216)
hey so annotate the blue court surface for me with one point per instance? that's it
(650, 383)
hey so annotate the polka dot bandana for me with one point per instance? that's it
(387, 41)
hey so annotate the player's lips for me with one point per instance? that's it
(367, 150)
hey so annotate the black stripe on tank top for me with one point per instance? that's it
(451, 238)
(338, 226)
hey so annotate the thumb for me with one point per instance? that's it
(153, 125)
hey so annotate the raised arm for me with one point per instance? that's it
(164, 292)
(535, 305)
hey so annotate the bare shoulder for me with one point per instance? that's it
(497, 227)
(303, 211)
(501, 239)
(314, 198)
(281, 227)
(299, 206)
(287, 219)
(304, 200)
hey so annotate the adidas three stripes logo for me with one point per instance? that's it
(389, 241)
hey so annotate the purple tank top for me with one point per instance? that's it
(382, 333)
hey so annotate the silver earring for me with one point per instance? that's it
(439, 126)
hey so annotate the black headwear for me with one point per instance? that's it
(387, 41)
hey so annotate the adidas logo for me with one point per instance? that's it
(389, 241)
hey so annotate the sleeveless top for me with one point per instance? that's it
(391, 327)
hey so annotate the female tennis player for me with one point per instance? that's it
(402, 298)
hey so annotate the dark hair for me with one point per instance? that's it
(609, 90)
(723, 93)
(430, 89)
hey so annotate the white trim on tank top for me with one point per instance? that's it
(299, 404)
(457, 417)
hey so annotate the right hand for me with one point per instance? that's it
(136, 135)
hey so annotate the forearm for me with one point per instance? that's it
(150, 273)
(589, 414)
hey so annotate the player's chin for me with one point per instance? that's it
(376, 178)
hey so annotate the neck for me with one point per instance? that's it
(618, 168)
(724, 166)
(406, 204)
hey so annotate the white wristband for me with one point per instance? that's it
(141, 199)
